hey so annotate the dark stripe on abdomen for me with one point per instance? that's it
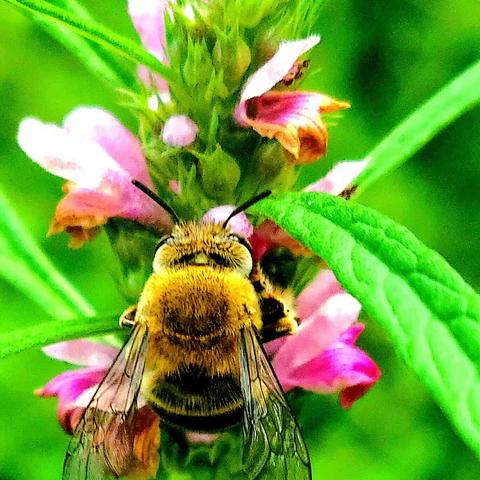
(195, 400)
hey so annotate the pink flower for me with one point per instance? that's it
(293, 118)
(179, 131)
(98, 157)
(322, 356)
(75, 388)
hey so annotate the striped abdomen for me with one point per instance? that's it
(195, 399)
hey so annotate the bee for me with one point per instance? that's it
(195, 354)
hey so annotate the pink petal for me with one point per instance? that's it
(148, 17)
(323, 286)
(342, 367)
(271, 236)
(65, 154)
(317, 332)
(179, 131)
(68, 387)
(339, 178)
(267, 76)
(83, 352)
(98, 125)
(100, 187)
(199, 438)
(239, 224)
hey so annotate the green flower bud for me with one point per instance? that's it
(232, 55)
(219, 174)
(270, 159)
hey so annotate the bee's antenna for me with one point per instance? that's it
(247, 204)
(156, 199)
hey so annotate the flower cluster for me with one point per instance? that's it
(231, 123)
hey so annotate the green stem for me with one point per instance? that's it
(63, 298)
(97, 33)
(461, 94)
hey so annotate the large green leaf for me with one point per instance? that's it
(97, 33)
(430, 313)
(46, 333)
(461, 94)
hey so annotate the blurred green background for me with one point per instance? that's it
(386, 58)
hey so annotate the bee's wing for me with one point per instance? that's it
(273, 443)
(102, 444)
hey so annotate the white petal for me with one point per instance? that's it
(64, 154)
(339, 177)
(277, 67)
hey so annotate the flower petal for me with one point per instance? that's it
(267, 76)
(65, 154)
(323, 286)
(83, 352)
(342, 367)
(201, 438)
(98, 125)
(68, 387)
(269, 235)
(239, 224)
(317, 332)
(148, 17)
(99, 186)
(179, 131)
(338, 178)
(293, 118)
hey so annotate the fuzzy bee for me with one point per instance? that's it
(195, 354)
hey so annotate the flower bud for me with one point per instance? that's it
(232, 55)
(179, 131)
(220, 174)
(269, 159)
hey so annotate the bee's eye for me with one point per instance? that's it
(162, 242)
(241, 241)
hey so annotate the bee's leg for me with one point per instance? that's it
(127, 318)
(276, 304)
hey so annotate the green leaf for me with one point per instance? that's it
(24, 265)
(98, 60)
(430, 313)
(46, 333)
(461, 94)
(97, 33)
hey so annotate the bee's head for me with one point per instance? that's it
(203, 242)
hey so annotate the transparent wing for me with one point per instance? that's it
(273, 444)
(102, 444)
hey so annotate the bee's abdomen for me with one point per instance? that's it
(196, 400)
